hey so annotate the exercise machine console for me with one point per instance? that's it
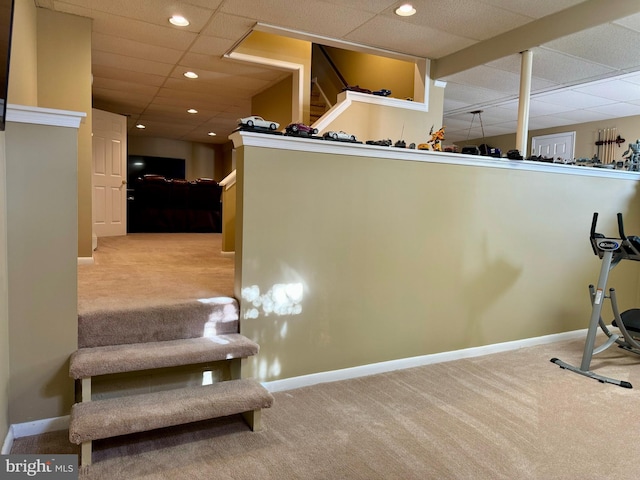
(612, 251)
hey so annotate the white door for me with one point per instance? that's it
(558, 146)
(109, 174)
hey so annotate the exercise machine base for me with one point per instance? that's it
(590, 374)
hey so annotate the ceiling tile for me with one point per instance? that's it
(618, 90)
(130, 63)
(401, 36)
(572, 99)
(609, 45)
(537, 9)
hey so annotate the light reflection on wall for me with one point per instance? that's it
(281, 299)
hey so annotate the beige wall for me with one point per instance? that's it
(200, 157)
(275, 103)
(586, 136)
(4, 298)
(374, 72)
(404, 258)
(375, 122)
(64, 82)
(281, 49)
(23, 82)
(42, 232)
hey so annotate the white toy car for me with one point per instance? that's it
(331, 135)
(255, 121)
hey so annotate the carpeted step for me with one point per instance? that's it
(120, 416)
(90, 362)
(214, 316)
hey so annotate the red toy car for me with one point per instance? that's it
(300, 129)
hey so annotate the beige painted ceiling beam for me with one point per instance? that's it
(574, 19)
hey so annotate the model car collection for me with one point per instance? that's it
(299, 129)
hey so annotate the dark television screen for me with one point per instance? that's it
(139, 165)
(6, 22)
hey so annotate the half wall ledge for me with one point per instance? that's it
(283, 142)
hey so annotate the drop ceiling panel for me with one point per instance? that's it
(123, 27)
(130, 63)
(610, 45)
(310, 16)
(121, 86)
(632, 22)
(126, 75)
(471, 95)
(156, 12)
(230, 27)
(116, 45)
(618, 90)
(573, 99)
(556, 67)
(400, 36)
(537, 9)
(537, 108)
(472, 20)
(618, 109)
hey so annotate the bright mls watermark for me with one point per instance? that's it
(51, 467)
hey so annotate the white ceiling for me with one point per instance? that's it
(139, 59)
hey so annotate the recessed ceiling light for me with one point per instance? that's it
(405, 10)
(140, 126)
(190, 74)
(178, 21)
(211, 134)
(192, 110)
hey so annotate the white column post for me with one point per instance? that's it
(523, 102)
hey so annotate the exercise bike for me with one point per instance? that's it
(612, 251)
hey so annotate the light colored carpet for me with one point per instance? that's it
(144, 269)
(503, 416)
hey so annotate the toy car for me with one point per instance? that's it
(255, 121)
(300, 129)
(356, 88)
(383, 143)
(383, 92)
(344, 136)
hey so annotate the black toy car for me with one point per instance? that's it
(383, 143)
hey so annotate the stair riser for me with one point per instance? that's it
(173, 322)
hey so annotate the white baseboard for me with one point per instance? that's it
(85, 260)
(383, 367)
(37, 427)
(8, 443)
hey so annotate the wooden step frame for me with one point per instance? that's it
(246, 348)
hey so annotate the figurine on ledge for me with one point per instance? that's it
(633, 159)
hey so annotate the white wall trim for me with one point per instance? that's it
(383, 367)
(44, 116)
(85, 261)
(37, 427)
(8, 443)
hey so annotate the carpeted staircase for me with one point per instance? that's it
(116, 342)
